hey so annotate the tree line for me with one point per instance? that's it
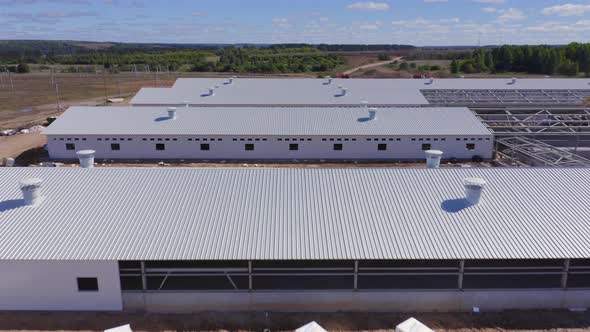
(569, 60)
(253, 60)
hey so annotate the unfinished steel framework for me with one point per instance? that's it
(534, 136)
(463, 97)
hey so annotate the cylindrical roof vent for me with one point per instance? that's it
(31, 189)
(431, 80)
(86, 158)
(330, 80)
(9, 162)
(433, 158)
(513, 80)
(186, 103)
(473, 190)
(211, 91)
(171, 113)
(372, 114)
(344, 91)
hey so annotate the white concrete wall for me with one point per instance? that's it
(52, 285)
(317, 149)
(451, 301)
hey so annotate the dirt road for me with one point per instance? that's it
(371, 65)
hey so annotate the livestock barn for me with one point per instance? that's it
(159, 133)
(377, 92)
(192, 239)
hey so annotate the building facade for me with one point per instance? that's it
(268, 134)
(193, 239)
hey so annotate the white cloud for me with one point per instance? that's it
(511, 14)
(368, 27)
(370, 5)
(420, 21)
(433, 1)
(281, 22)
(490, 1)
(567, 9)
(489, 9)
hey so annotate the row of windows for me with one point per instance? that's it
(278, 139)
(250, 147)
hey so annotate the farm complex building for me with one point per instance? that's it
(222, 133)
(377, 92)
(191, 239)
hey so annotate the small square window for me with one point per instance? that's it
(87, 284)
(115, 146)
(338, 147)
(160, 147)
(470, 146)
(382, 147)
(70, 146)
(426, 146)
(249, 147)
(293, 147)
(205, 147)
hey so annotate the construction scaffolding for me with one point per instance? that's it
(525, 151)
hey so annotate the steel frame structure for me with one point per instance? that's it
(507, 97)
(525, 151)
(503, 122)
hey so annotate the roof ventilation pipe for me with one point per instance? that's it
(171, 113)
(433, 158)
(372, 114)
(473, 190)
(31, 189)
(431, 80)
(343, 90)
(186, 103)
(330, 80)
(211, 91)
(513, 80)
(86, 158)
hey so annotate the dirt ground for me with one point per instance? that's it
(530, 321)
(14, 146)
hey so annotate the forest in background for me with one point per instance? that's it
(569, 60)
(15, 56)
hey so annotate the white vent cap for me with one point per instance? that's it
(31, 189)
(473, 189)
(86, 158)
(172, 113)
(433, 158)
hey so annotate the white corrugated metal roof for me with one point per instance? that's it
(266, 121)
(266, 213)
(281, 91)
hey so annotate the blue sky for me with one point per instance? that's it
(417, 22)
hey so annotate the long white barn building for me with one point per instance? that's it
(377, 92)
(193, 239)
(159, 133)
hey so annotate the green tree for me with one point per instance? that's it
(455, 67)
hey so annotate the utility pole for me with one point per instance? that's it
(10, 78)
(57, 97)
(104, 81)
